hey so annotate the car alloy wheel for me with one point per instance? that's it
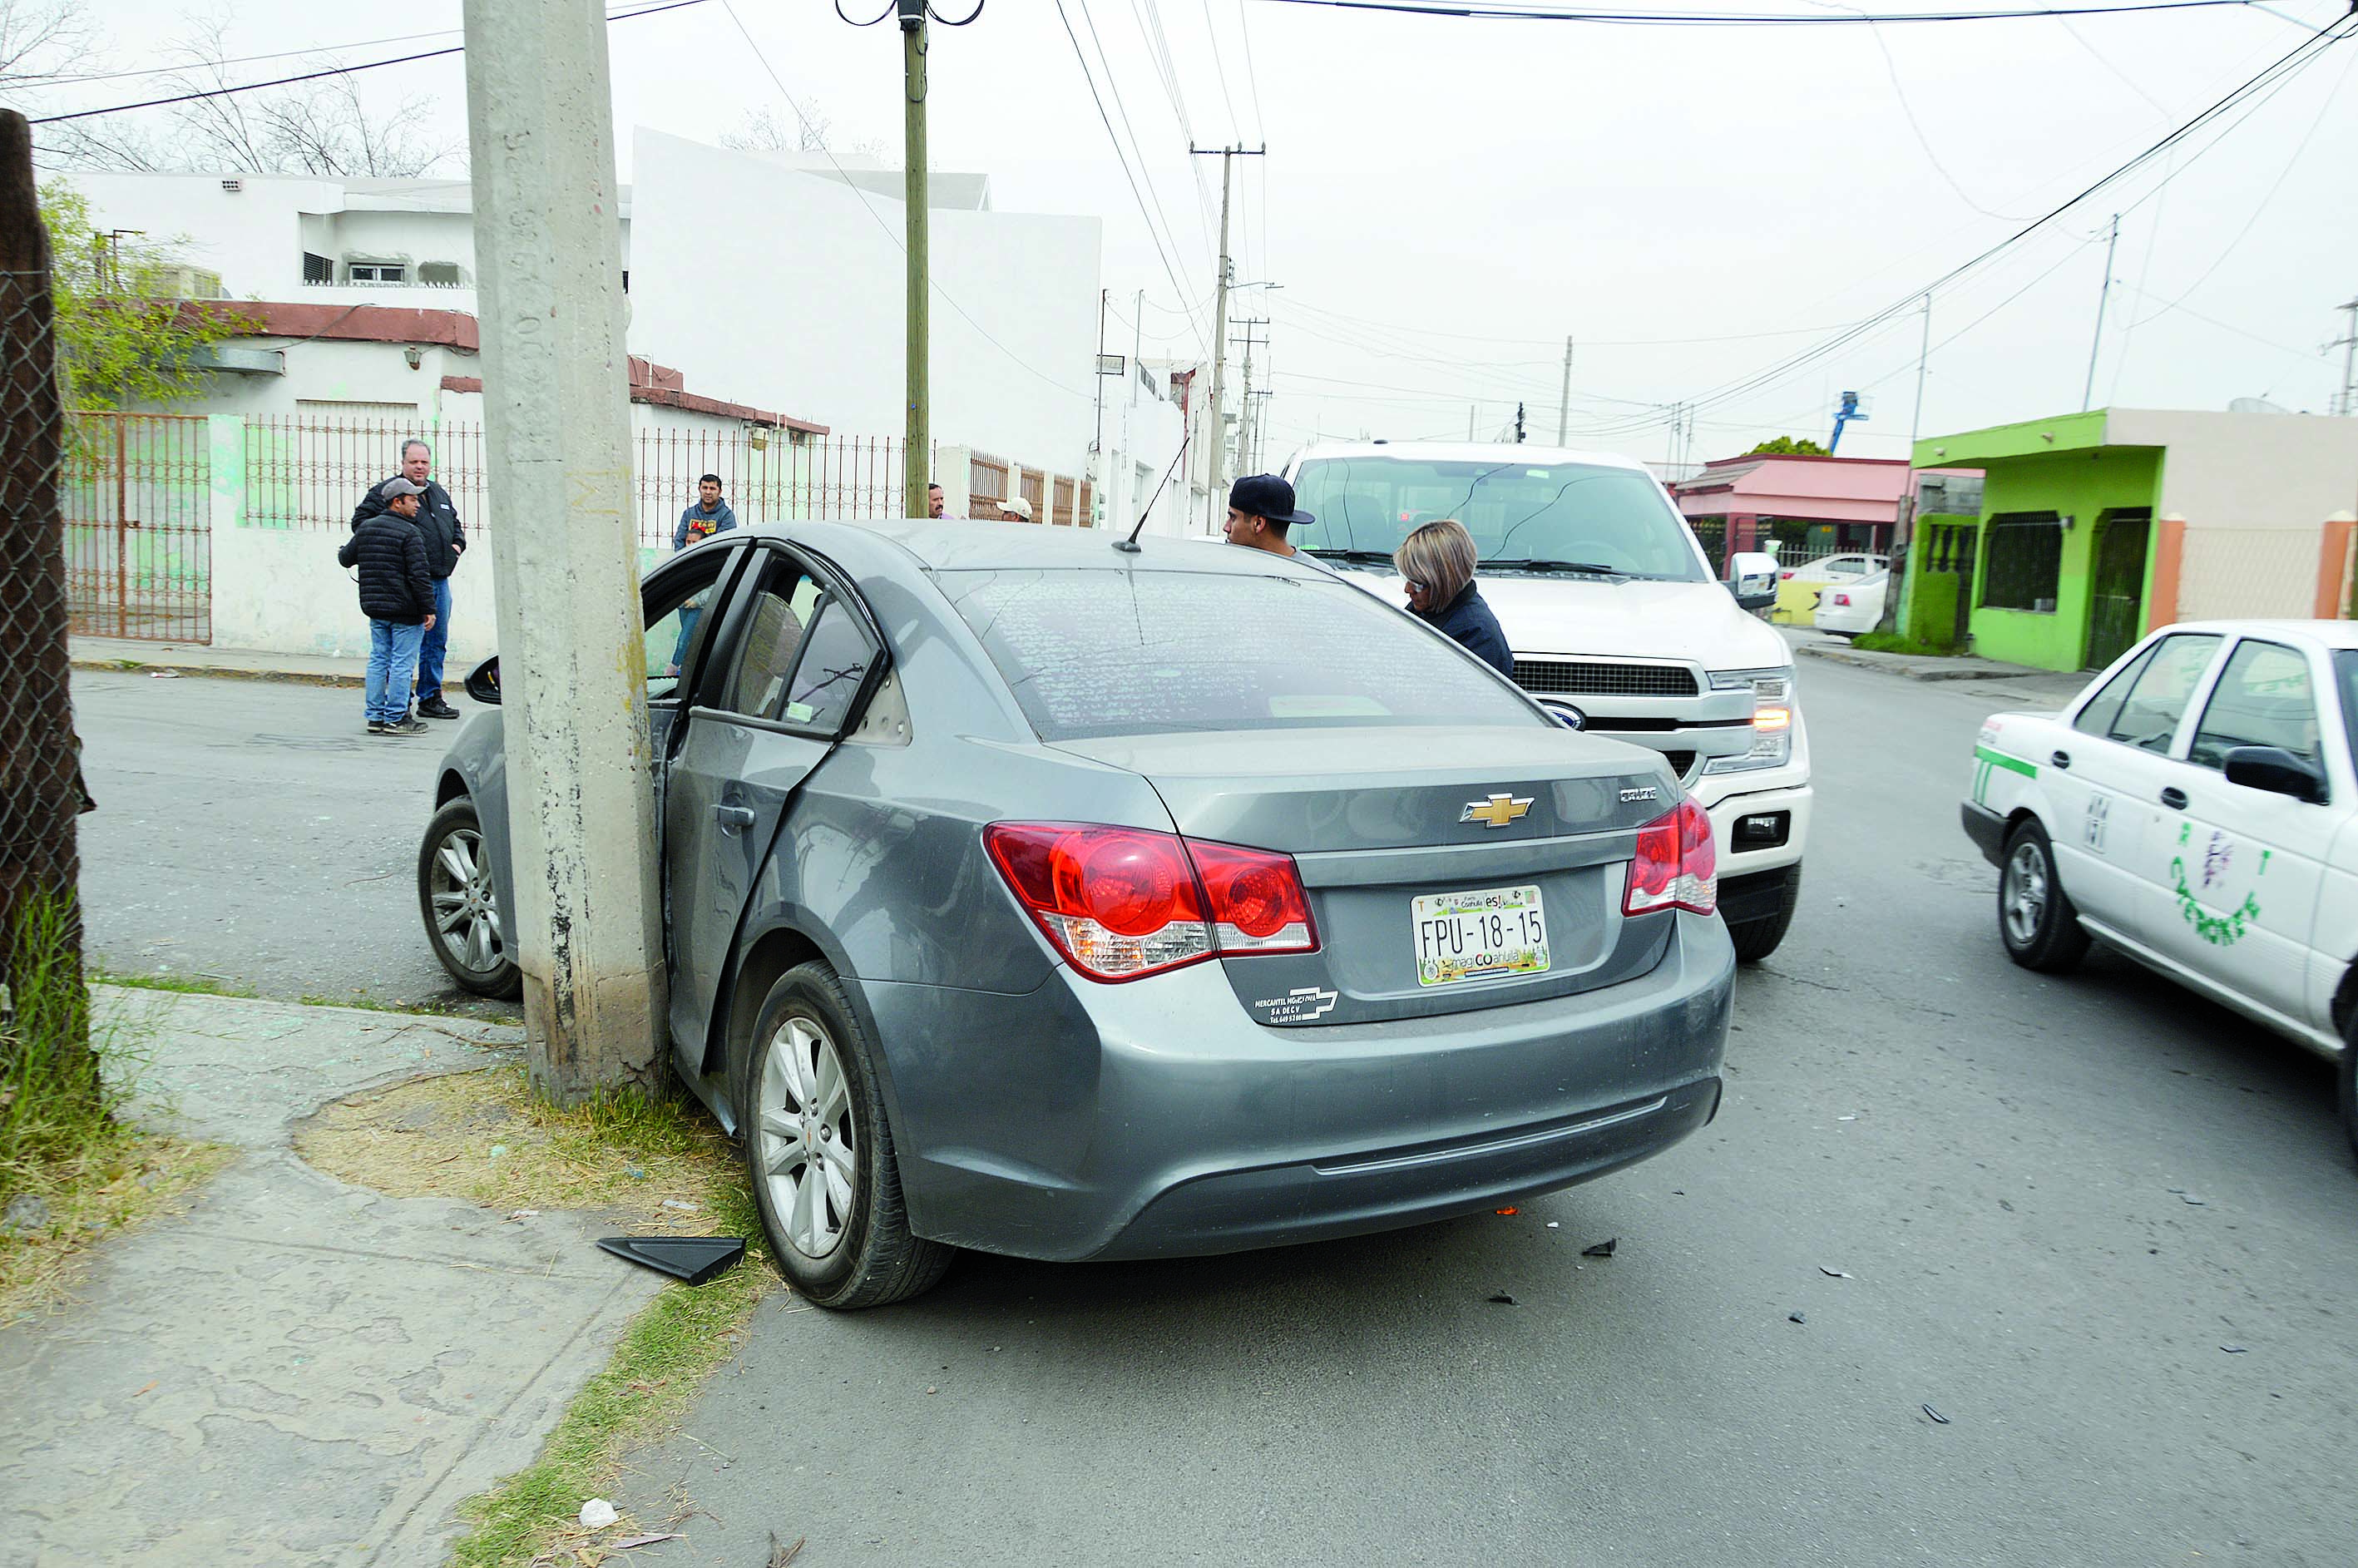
(2024, 900)
(808, 1151)
(466, 913)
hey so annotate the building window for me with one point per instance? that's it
(2024, 563)
(377, 272)
(317, 269)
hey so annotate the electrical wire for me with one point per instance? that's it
(1137, 148)
(1494, 13)
(317, 75)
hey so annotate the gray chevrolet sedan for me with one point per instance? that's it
(1028, 895)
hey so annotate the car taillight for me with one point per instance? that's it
(1676, 866)
(1120, 902)
(1841, 599)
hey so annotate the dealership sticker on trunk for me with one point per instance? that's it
(1471, 936)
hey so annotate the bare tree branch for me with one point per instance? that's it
(39, 37)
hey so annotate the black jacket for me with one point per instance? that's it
(396, 584)
(1468, 619)
(437, 524)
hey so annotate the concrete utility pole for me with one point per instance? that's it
(2350, 361)
(917, 460)
(1563, 407)
(1903, 530)
(2088, 393)
(564, 551)
(1245, 410)
(1218, 499)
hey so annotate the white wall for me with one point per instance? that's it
(773, 286)
(2246, 470)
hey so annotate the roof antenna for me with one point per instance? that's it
(1129, 547)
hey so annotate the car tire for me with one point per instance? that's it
(2035, 918)
(460, 907)
(2349, 1076)
(819, 1154)
(1757, 937)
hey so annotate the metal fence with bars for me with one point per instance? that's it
(136, 498)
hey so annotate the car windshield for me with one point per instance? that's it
(1112, 652)
(1539, 516)
(2345, 672)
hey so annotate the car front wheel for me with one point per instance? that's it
(463, 918)
(819, 1153)
(2035, 919)
(2350, 1080)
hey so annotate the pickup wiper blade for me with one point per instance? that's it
(1357, 557)
(1541, 564)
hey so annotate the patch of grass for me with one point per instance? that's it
(1893, 642)
(73, 1167)
(186, 984)
(485, 1137)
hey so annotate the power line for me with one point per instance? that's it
(317, 75)
(1082, 61)
(1494, 13)
(1137, 148)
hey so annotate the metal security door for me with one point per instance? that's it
(138, 527)
(2116, 601)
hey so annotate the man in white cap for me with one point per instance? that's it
(1016, 509)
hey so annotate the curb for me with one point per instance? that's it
(221, 672)
(1927, 670)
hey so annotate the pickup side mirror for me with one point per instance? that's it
(2278, 771)
(1752, 578)
(483, 682)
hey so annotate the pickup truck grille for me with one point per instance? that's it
(1574, 677)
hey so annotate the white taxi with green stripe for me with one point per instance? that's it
(2197, 808)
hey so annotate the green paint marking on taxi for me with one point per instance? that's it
(2011, 764)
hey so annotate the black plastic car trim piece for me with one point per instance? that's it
(695, 1258)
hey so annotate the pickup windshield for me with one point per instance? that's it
(1575, 518)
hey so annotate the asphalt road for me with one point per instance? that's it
(250, 835)
(1989, 1155)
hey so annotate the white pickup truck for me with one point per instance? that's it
(1614, 618)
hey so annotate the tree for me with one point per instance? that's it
(1788, 447)
(36, 36)
(319, 128)
(763, 132)
(124, 336)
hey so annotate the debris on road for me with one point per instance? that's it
(163, 675)
(1503, 1298)
(1603, 1249)
(782, 1555)
(695, 1258)
(644, 1541)
(597, 1513)
(1797, 1317)
(1505, 1211)
(1835, 1274)
(522, 1213)
(683, 1204)
(2236, 1349)
(1553, 1226)
(1936, 1415)
(2189, 1197)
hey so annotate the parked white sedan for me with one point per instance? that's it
(2196, 808)
(1848, 610)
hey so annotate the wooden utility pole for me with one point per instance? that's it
(548, 256)
(1217, 438)
(917, 462)
(40, 770)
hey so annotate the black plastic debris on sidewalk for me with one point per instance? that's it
(1503, 1298)
(1797, 1317)
(695, 1258)
(1603, 1249)
(2236, 1349)
(1936, 1415)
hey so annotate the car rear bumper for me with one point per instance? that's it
(1157, 1120)
(1986, 827)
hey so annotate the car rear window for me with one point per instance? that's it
(1091, 652)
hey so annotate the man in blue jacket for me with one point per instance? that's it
(709, 515)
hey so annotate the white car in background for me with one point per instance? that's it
(1616, 622)
(1847, 568)
(2196, 808)
(1848, 610)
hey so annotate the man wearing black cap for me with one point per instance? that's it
(1260, 509)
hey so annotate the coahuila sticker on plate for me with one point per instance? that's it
(1490, 931)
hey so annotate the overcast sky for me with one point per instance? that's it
(1445, 201)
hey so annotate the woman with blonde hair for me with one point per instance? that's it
(1437, 562)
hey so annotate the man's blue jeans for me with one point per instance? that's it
(438, 641)
(393, 656)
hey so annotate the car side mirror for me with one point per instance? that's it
(1752, 578)
(2278, 771)
(483, 682)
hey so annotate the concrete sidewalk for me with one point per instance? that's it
(1815, 645)
(196, 659)
(296, 1372)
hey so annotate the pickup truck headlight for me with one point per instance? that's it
(1772, 718)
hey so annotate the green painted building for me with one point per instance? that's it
(2058, 569)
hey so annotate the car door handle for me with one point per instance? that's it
(2174, 798)
(2061, 759)
(734, 817)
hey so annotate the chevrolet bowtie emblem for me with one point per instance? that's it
(1496, 811)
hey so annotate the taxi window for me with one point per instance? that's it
(2096, 717)
(2264, 698)
(2149, 719)
(1091, 651)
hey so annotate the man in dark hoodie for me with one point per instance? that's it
(444, 539)
(398, 596)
